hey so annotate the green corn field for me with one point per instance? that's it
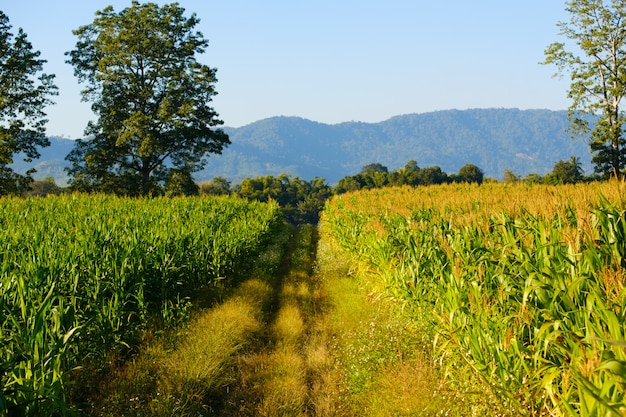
(81, 277)
(521, 285)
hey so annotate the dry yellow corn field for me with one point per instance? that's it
(521, 284)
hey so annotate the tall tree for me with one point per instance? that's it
(23, 97)
(152, 98)
(598, 76)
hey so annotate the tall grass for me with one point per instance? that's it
(522, 285)
(81, 277)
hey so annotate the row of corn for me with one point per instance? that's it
(524, 285)
(81, 277)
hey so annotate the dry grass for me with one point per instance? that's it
(211, 341)
(289, 325)
(280, 383)
(402, 389)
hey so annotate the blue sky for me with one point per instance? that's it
(336, 60)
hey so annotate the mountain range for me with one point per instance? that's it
(522, 141)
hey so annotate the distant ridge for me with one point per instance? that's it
(523, 141)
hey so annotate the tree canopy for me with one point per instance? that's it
(301, 201)
(471, 173)
(375, 167)
(566, 172)
(152, 98)
(598, 76)
(411, 174)
(24, 93)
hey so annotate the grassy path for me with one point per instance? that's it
(329, 349)
(284, 373)
(301, 337)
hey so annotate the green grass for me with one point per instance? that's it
(381, 357)
(274, 375)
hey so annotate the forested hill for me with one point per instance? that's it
(523, 141)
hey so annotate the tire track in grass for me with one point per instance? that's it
(292, 340)
(280, 376)
(329, 350)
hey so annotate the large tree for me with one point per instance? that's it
(598, 74)
(23, 97)
(471, 173)
(151, 96)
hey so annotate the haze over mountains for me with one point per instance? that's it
(523, 141)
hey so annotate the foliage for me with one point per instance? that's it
(179, 182)
(44, 187)
(374, 176)
(375, 167)
(522, 285)
(533, 179)
(565, 172)
(510, 177)
(82, 278)
(431, 176)
(23, 96)
(152, 98)
(217, 186)
(300, 200)
(597, 76)
(470, 173)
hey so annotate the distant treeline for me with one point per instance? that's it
(377, 176)
(302, 200)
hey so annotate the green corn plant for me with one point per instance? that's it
(81, 277)
(533, 304)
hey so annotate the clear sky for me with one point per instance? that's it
(336, 60)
